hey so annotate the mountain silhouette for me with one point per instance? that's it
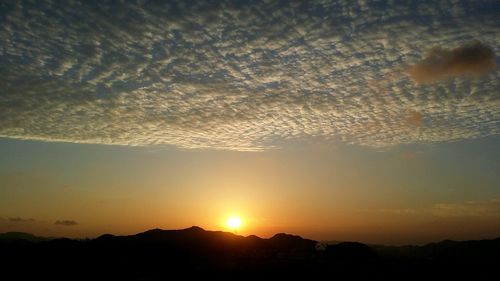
(195, 253)
(20, 236)
(346, 252)
(199, 241)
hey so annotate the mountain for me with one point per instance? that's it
(196, 237)
(473, 251)
(195, 253)
(8, 237)
(195, 241)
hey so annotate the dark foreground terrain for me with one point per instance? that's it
(213, 255)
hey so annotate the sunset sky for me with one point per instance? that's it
(375, 121)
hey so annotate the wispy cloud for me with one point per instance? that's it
(66, 222)
(489, 208)
(229, 75)
(19, 219)
(486, 208)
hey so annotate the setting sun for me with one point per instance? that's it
(234, 222)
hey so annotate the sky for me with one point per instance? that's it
(375, 121)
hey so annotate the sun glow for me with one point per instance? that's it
(234, 222)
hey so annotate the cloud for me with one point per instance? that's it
(407, 211)
(19, 219)
(414, 118)
(489, 208)
(471, 59)
(239, 76)
(485, 208)
(408, 155)
(66, 222)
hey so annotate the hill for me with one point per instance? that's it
(196, 253)
(8, 237)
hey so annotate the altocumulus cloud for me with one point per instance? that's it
(243, 75)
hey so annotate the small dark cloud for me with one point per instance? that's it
(471, 59)
(19, 219)
(414, 118)
(66, 222)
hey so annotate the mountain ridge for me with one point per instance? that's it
(158, 254)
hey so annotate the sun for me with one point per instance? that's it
(234, 222)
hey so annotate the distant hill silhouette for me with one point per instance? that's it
(8, 237)
(196, 253)
(347, 252)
